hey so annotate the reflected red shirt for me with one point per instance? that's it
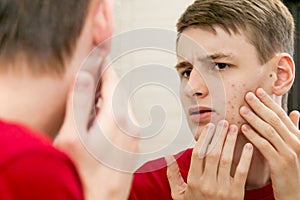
(151, 183)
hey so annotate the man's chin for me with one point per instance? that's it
(197, 130)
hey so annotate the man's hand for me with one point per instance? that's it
(87, 143)
(209, 174)
(276, 136)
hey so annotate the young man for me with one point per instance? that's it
(247, 147)
(42, 46)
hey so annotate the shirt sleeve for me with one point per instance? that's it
(40, 174)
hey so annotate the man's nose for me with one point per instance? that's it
(196, 85)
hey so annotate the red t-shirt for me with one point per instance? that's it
(151, 183)
(31, 168)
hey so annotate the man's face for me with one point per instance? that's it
(216, 71)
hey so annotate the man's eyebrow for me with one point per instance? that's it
(183, 64)
(216, 56)
(208, 58)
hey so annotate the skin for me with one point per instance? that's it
(237, 73)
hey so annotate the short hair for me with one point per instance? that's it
(267, 24)
(43, 32)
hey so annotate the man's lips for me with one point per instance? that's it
(201, 114)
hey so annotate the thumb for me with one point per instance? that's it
(294, 116)
(177, 184)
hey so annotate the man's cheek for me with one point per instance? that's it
(234, 100)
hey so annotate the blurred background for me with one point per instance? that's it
(162, 15)
(294, 98)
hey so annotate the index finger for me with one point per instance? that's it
(243, 167)
(199, 152)
(94, 65)
(266, 100)
(176, 182)
(294, 116)
(94, 62)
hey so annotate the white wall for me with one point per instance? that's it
(163, 14)
(132, 14)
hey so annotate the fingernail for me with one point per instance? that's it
(210, 127)
(249, 146)
(245, 127)
(82, 81)
(260, 92)
(223, 124)
(232, 129)
(244, 110)
(250, 96)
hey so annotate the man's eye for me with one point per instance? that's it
(221, 66)
(186, 73)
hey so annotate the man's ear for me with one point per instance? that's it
(103, 25)
(285, 74)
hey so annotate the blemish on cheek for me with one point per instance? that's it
(234, 97)
(271, 75)
(233, 85)
(232, 107)
(244, 85)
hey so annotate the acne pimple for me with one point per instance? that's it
(233, 85)
(232, 107)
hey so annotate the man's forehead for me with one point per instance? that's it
(197, 38)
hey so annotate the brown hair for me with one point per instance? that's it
(43, 32)
(267, 24)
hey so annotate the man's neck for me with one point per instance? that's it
(26, 99)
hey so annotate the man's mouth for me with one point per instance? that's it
(201, 114)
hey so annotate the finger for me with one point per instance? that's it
(177, 184)
(114, 101)
(270, 117)
(227, 156)
(263, 128)
(115, 104)
(263, 145)
(268, 101)
(82, 100)
(120, 140)
(109, 82)
(294, 116)
(199, 152)
(243, 167)
(94, 63)
(215, 150)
